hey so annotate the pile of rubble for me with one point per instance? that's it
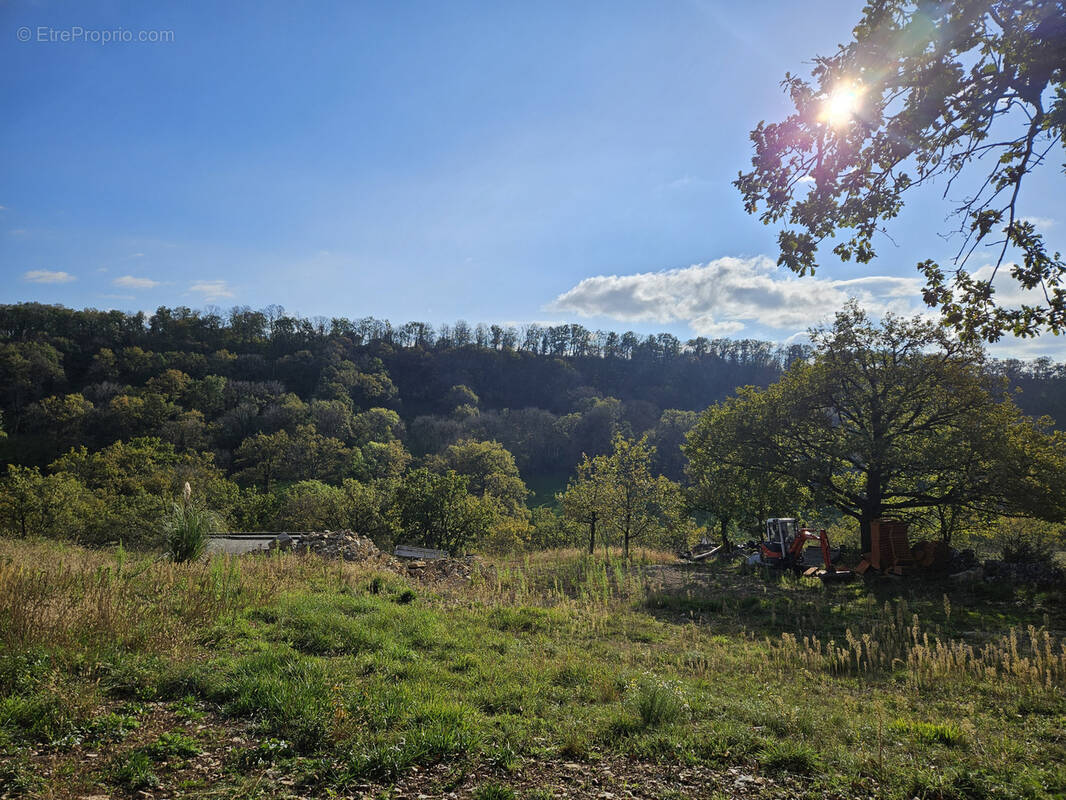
(450, 569)
(350, 546)
(1037, 573)
(344, 545)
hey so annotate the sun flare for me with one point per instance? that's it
(842, 105)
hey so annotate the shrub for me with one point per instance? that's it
(186, 530)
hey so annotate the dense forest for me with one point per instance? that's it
(284, 421)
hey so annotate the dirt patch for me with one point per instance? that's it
(93, 766)
(222, 764)
(604, 779)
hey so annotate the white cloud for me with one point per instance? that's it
(212, 290)
(1040, 223)
(47, 276)
(706, 326)
(728, 294)
(1008, 292)
(132, 282)
(3, 208)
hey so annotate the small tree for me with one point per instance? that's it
(54, 506)
(585, 497)
(438, 510)
(619, 491)
(728, 493)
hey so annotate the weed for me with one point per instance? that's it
(45, 715)
(290, 695)
(187, 709)
(571, 675)
(522, 619)
(1030, 658)
(172, 744)
(494, 791)
(504, 756)
(950, 785)
(658, 701)
(20, 778)
(945, 733)
(112, 726)
(561, 655)
(134, 771)
(574, 746)
(268, 751)
(606, 689)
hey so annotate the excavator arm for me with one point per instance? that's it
(806, 535)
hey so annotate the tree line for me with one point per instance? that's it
(502, 437)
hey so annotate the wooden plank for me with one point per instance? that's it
(708, 554)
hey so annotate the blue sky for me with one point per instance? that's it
(496, 162)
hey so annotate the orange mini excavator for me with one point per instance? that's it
(785, 545)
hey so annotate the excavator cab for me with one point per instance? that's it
(780, 534)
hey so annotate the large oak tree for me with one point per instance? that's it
(887, 420)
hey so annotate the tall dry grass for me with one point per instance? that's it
(57, 595)
(572, 577)
(1030, 657)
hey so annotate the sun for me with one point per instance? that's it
(841, 105)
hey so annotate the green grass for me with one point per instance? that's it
(931, 733)
(494, 791)
(337, 676)
(786, 755)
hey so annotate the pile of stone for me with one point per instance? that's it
(350, 546)
(344, 545)
(449, 570)
(1036, 573)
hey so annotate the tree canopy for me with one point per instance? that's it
(972, 92)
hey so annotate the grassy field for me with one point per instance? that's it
(553, 676)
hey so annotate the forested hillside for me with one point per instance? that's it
(249, 404)
(206, 382)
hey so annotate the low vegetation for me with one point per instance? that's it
(290, 675)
